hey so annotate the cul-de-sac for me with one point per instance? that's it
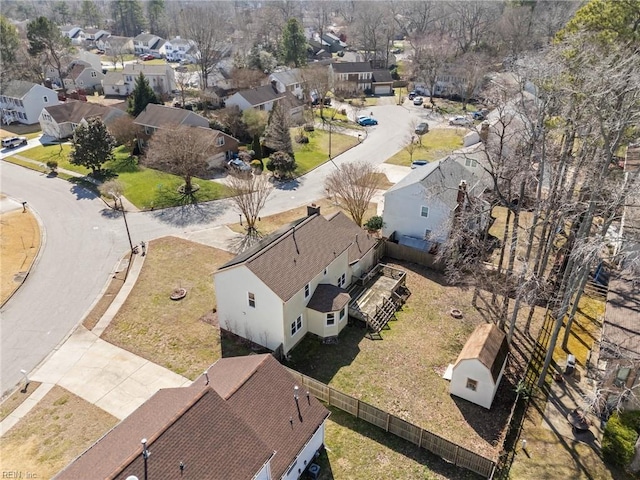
(320, 239)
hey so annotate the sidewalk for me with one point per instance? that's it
(101, 373)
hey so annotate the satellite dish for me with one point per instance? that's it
(132, 477)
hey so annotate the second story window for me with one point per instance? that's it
(45, 99)
(307, 290)
(252, 300)
(219, 141)
(424, 211)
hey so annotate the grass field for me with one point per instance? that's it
(436, 144)
(173, 334)
(58, 429)
(316, 152)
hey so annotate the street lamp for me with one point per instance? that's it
(124, 215)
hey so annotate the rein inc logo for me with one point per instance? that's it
(18, 474)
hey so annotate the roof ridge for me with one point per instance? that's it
(206, 389)
(245, 379)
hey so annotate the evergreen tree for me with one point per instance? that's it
(9, 41)
(128, 16)
(294, 44)
(46, 39)
(155, 14)
(277, 136)
(141, 96)
(92, 145)
(90, 14)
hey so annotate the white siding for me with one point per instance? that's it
(239, 101)
(402, 213)
(474, 369)
(262, 324)
(306, 455)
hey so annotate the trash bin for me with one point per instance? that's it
(571, 364)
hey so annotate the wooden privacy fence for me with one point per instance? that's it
(431, 442)
(413, 255)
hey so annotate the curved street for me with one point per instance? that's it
(83, 240)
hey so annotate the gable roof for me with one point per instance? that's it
(487, 344)
(137, 68)
(113, 78)
(265, 401)
(302, 249)
(288, 77)
(382, 76)
(145, 37)
(74, 112)
(193, 425)
(159, 116)
(77, 69)
(260, 95)
(16, 88)
(351, 67)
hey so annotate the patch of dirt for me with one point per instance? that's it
(210, 318)
(19, 245)
(115, 284)
(13, 401)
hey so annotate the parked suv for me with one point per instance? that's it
(460, 121)
(422, 128)
(13, 142)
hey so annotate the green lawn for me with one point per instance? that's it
(316, 152)
(330, 112)
(436, 144)
(144, 187)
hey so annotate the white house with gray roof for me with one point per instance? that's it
(61, 121)
(22, 101)
(290, 81)
(161, 78)
(264, 98)
(148, 43)
(178, 49)
(294, 281)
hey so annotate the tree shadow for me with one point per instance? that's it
(83, 189)
(190, 213)
(245, 242)
(287, 185)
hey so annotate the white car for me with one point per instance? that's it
(460, 120)
(13, 142)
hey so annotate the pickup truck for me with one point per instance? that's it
(13, 142)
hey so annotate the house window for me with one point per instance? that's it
(45, 99)
(94, 74)
(342, 280)
(326, 270)
(470, 162)
(128, 78)
(424, 211)
(307, 290)
(427, 234)
(621, 377)
(343, 313)
(252, 300)
(219, 141)
(472, 384)
(331, 319)
(296, 326)
(74, 126)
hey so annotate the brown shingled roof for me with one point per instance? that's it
(290, 259)
(488, 344)
(75, 112)
(328, 298)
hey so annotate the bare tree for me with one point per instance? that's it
(411, 145)
(249, 196)
(124, 131)
(117, 52)
(431, 53)
(469, 73)
(182, 151)
(354, 185)
(182, 83)
(208, 26)
(246, 78)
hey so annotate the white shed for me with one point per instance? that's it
(479, 367)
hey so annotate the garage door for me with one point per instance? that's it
(382, 90)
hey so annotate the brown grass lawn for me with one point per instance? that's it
(14, 400)
(56, 431)
(271, 223)
(402, 373)
(99, 309)
(172, 334)
(19, 245)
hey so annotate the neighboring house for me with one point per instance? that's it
(351, 77)
(81, 76)
(318, 50)
(147, 43)
(74, 33)
(478, 370)
(333, 43)
(160, 117)
(115, 45)
(91, 59)
(241, 421)
(121, 83)
(178, 49)
(382, 83)
(60, 121)
(420, 209)
(93, 35)
(619, 354)
(288, 81)
(264, 98)
(294, 281)
(22, 101)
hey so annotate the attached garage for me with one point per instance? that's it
(382, 82)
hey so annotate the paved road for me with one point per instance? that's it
(84, 240)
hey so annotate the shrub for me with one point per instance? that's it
(281, 163)
(302, 139)
(619, 438)
(52, 165)
(375, 223)
(257, 164)
(343, 111)
(309, 128)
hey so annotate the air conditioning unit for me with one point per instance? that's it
(314, 470)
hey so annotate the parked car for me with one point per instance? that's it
(237, 165)
(480, 114)
(418, 163)
(13, 142)
(460, 120)
(412, 94)
(147, 56)
(418, 101)
(366, 121)
(422, 128)
(100, 51)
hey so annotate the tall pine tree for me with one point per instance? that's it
(141, 96)
(294, 44)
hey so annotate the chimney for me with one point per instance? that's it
(484, 131)
(313, 209)
(274, 86)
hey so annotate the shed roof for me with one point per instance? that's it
(487, 344)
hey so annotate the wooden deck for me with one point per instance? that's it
(377, 296)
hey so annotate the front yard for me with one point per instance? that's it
(310, 155)
(436, 144)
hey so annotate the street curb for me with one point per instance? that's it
(36, 259)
